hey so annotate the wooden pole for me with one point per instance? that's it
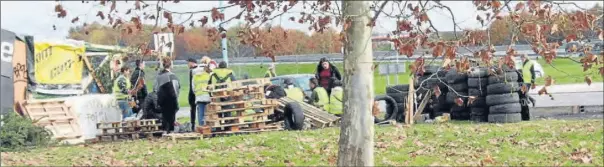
(356, 131)
(410, 100)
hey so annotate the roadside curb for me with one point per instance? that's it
(564, 110)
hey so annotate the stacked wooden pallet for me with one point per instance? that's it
(316, 116)
(245, 101)
(131, 129)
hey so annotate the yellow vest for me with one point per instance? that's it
(323, 97)
(221, 75)
(526, 71)
(200, 82)
(295, 93)
(116, 88)
(335, 101)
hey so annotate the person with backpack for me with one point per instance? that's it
(167, 87)
(222, 75)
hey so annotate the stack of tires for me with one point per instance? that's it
(503, 98)
(477, 87)
(458, 88)
(399, 94)
(433, 77)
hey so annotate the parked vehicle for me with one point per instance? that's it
(300, 80)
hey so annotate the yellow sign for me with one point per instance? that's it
(58, 63)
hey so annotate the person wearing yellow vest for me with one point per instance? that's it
(270, 72)
(527, 77)
(319, 97)
(293, 92)
(201, 79)
(222, 75)
(121, 90)
(335, 99)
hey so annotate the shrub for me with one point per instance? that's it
(17, 132)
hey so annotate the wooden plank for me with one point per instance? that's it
(409, 106)
(422, 105)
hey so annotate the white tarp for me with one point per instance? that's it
(92, 109)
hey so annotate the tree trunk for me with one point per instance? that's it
(356, 131)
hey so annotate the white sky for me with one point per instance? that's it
(37, 17)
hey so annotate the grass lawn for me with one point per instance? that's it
(574, 70)
(542, 143)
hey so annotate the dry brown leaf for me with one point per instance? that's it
(588, 80)
(519, 6)
(542, 91)
(549, 81)
(471, 99)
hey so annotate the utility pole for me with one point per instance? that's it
(356, 131)
(225, 52)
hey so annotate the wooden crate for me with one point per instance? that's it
(53, 115)
(132, 129)
(127, 135)
(238, 91)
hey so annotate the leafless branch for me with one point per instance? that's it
(378, 11)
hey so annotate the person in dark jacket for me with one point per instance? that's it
(326, 73)
(274, 92)
(167, 87)
(138, 74)
(192, 66)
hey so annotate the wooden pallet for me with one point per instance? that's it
(240, 84)
(175, 136)
(222, 107)
(128, 127)
(251, 130)
(53, 115)
(317, 117)
(239, 96)
(127, 135)
(237, 91)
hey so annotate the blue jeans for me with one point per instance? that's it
(125, 107)
(201, 109)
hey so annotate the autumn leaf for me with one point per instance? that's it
(101, 15)
(519, 6)
(436, 90)
(542, 91)
(423, 17)
(74, 20)
(570, 38)
(588, 80)
(549, 81)
(438, 49)
(459, 101)
(203, 20)
(471, 99)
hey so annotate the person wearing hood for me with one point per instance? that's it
(167, 87)
(326, 73)
(292, 91)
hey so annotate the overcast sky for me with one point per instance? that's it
(37, 17)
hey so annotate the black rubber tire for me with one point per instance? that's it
(505, 118)
(427, 82)
(479, 101)
(477, 72)
(506, 98)
(150, 110)
(294, 116)
(398, 97)
(391, 106)
(456, 108)
(452, 96)
(479, 111)
(454, 77)
(500, 88)
(459, 87)
(505, 108)
(460, 115)
(477, 82)
(477, 92)
(479, 118)
(400, 114)
(506, 77)
(397, 89)
(430, 69)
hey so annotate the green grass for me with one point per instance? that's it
(572, 74)
(534, 143)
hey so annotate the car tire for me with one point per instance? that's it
(479, 111)
(451, 96)
(294, 116)
(431, 69)
(505, 77)
(505, 118)
(453, 77)
(478, 82)
(459, 87)
(500, 88)
(477, 72)
(479, 101)
(505, 108)
(506, 98)
(477, 92)
(391, 106)
(400, 115)
(399, 97)
(397, 89)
